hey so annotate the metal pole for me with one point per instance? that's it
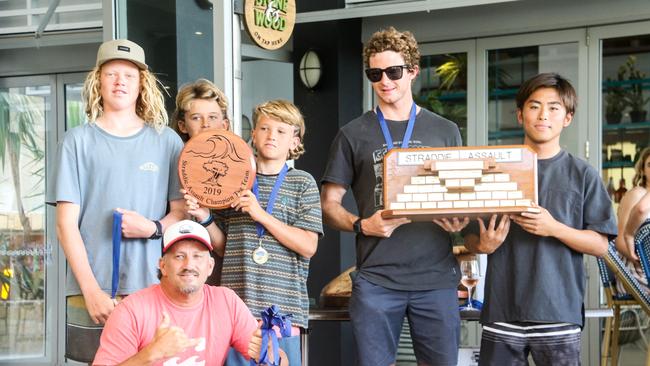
(46, 19)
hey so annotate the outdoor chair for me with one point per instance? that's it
(642, 246)
(610, 264)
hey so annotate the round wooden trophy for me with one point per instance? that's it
(214, 166)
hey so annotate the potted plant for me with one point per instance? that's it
(634, 93)
(615, 99)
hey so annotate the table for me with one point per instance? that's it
(341, 314)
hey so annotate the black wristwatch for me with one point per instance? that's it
(158, 233)
(356, 227)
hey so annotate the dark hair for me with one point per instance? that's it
(549, 80)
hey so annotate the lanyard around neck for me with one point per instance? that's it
(407, 133)
(272, 197)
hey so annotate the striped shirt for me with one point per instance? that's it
(282, 280)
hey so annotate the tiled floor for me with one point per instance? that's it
(632, 355)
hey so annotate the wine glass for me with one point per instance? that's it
(469, 279)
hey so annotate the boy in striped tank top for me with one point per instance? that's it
(535, 282)
(271, 231)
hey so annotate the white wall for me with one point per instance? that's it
(48, 60)
(510, 18)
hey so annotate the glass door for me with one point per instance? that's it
(445, 81)
(619, 64)
(26, 116)
(446, 86)
(503, 63)
(624, 96)
(509, 61)
(34, 113)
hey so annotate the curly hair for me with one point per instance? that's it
(287, 112)
(150, 105)
(200, 89)
(391, 39)
(639, 178)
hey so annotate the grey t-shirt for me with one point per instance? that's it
(539, 279)
(100, 172)
(417, 256)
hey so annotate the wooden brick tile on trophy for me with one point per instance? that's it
(427, 183)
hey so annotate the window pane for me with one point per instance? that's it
(22, 220)
(22, 16)
(74, 107)
(626, 99)
(508, 69)
(442, 87)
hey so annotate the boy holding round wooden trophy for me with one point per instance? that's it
(269, 227)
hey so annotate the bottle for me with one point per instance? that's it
(610, 188)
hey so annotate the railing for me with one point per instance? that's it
(76, 15)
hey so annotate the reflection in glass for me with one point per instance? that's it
(442, 87)
(74, 107)
(508, 69)
(22, 220)
(625, 100)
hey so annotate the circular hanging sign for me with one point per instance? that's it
(270, 22)
(216, 165)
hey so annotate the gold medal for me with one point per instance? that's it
(260, 255)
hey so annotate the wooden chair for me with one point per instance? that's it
(635, 296)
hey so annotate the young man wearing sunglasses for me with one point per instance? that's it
(403, 268)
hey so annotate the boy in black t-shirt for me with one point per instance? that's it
(535, 280)
(405, 269)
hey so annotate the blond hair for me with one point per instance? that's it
(200, 89)
(639, 178)
(150, 105)
(286, 112)
(391, 39)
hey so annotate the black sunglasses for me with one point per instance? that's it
(393, 72)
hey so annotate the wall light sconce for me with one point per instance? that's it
(310, 69)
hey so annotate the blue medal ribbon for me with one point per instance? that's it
(272, 317)
(274, 194)
(117, 242)
(407, 134)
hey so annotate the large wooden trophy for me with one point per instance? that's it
(215, 166)
(427, 183)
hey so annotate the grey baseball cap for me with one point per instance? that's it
(121, 49)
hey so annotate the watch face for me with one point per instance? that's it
(357, 226)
